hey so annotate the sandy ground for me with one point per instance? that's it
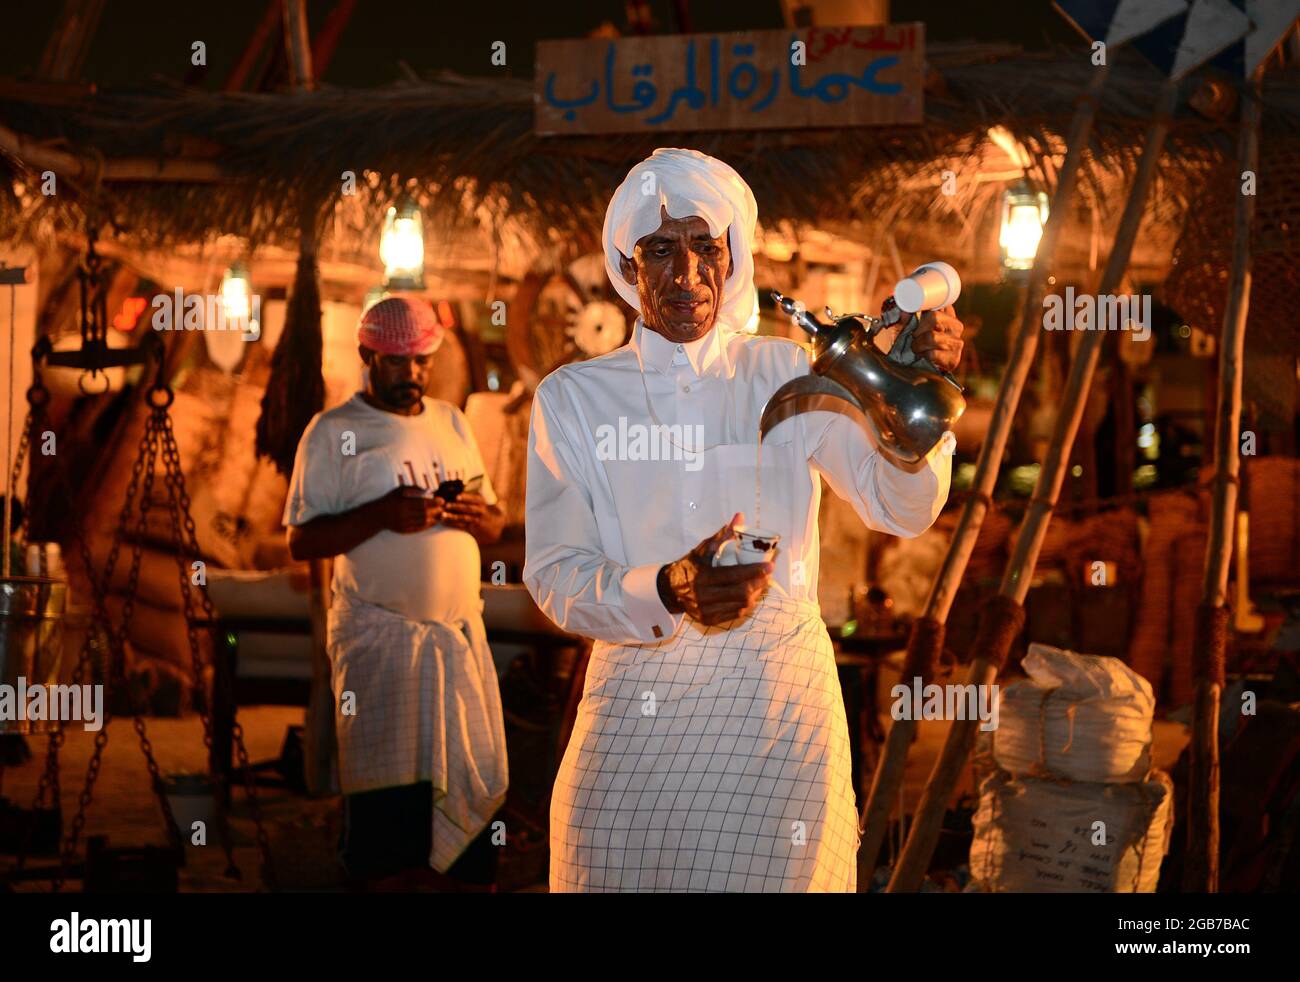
(303, 831)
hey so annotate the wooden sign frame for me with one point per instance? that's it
(752, 80)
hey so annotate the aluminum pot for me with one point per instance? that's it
(31, 645)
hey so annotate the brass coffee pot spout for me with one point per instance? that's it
(906, 409)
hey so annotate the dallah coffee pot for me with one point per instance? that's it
(906, 408)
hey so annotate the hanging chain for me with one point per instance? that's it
(158, 439)
(23, 442)
(178, 504)
(37, 397)
(141, 485)
(140, 488)
(186, 539)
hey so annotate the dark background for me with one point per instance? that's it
(138, 40)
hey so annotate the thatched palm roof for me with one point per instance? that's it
(469, 144)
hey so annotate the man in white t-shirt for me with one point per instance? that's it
(392, 484)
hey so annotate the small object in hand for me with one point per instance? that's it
(749, 546)
(450, 490)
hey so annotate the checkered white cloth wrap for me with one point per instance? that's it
(427, 709)
(714, 761)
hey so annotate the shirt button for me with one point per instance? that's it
(680, 348)
(692, 506)
(686, 388)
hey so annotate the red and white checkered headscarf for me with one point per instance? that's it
(400, 326)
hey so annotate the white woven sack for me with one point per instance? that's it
(1039, 836)
(1078, 717)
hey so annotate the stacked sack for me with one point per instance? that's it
(1273, 493)
(1072, 749)
(1173, 554)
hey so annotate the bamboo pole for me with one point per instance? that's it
(1003, 616)
(926, 641)
(1201, 871)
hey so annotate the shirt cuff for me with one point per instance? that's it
(647, 612)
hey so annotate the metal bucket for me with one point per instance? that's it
(31, 645)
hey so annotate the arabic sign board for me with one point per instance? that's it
(816, 76)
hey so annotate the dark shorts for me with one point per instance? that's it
(391, 830)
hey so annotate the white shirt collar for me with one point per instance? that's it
(653, 350)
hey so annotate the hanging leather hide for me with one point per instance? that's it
(295, 391)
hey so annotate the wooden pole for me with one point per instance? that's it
(65, 51)
(322, 49)
(320, 742)
(1125, 428)
(1004, 615)
(256, 45)
(297, 45)
(926, 640)
(1201, 871)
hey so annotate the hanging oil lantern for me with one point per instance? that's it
(1024, 213)
(401, 247)
(239, 321)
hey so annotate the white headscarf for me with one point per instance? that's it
(686, 183)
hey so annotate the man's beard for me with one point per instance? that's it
(403, 395)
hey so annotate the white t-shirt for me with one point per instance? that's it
(355, 453)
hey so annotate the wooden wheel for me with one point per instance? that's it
(563, 316)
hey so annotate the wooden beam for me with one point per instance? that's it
(46, 92)
(297, 45)
(43, 157)
(322, 49)
(271, 19)
(65, 51)
(274, 267)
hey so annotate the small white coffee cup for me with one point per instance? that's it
(748, 546)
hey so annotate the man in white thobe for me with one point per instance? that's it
(710, 751)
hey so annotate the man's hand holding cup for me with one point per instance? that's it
(718, 594)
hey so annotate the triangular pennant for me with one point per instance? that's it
(1117, 21)
(1181, 45)
(1270, 22)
